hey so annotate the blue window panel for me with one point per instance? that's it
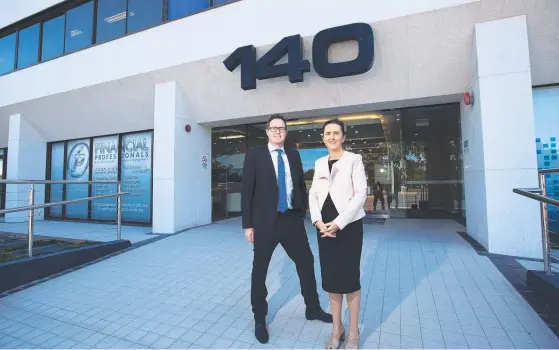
(553, 145)
(53, 38)
(545, 145)
(7, 53)
(546, 163)
(79, 27)
(56, 173)
(111, 20)
(181, 8)
(28, 46)
(553, 139)
(539, 151)
(220, 2)
(143, 14)
(546, 157)
(553, 151)
(538, 139)
(77, 169)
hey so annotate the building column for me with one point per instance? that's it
(181, 184)
(26, 161)
(498, 141)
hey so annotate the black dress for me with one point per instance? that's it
(340, 257)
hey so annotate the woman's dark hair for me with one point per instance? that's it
(334, 121)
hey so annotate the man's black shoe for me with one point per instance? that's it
(261, 333)
(318, 314)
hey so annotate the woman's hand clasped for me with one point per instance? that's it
(327, 230)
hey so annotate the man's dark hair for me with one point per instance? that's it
(276, 116)
(334, 121)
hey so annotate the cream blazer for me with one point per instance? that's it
(347, 185)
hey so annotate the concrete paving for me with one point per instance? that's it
(423, 286)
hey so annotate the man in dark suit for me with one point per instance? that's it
(274, 204)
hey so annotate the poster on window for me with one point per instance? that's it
(77, 169)
(136, 176)
(56, 173)
(104, 168)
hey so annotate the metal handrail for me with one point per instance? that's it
(57, 182)
(538, 197)
(540, 194)
(32, 206)
(54, 204)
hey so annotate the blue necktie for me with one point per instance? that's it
(282, 188)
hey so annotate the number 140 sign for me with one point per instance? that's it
(266, 67)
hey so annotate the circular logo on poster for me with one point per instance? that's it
(78, 160)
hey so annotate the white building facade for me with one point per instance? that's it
(167, 95)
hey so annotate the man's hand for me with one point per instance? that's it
(249, 234)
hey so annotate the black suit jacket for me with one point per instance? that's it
(259, 202)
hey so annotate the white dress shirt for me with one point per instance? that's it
(288, 180)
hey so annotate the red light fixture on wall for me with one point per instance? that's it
(468, 98)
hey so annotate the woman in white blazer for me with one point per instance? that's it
(336, 199)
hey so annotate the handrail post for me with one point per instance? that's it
(545, 229)
(30, 223)
(118, 210)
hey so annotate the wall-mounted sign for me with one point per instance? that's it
(266, 67)
(204, 162)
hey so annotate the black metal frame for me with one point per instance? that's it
(119, 161)
(62, 9)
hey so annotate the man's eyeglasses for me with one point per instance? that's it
(276, 129)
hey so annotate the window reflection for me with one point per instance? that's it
(228, 155)
(181, 8)
(79, 27)
(53, 38)
(7, 53)
(111, 19)
(144, 14)
(28, 46)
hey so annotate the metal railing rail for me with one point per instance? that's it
(32, 206)
(57, 182)
(540, 194)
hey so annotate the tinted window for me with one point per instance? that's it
(181, 8)
(56, 173)
(220, 2)
(53, 38)
(7, 53)
(79, 27)
(28, 46)
(144, 14)
(111, 19)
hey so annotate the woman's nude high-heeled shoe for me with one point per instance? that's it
(334, 341)
(352, 342)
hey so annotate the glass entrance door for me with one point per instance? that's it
(376, 136)
(432, 162)
(412, 160)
